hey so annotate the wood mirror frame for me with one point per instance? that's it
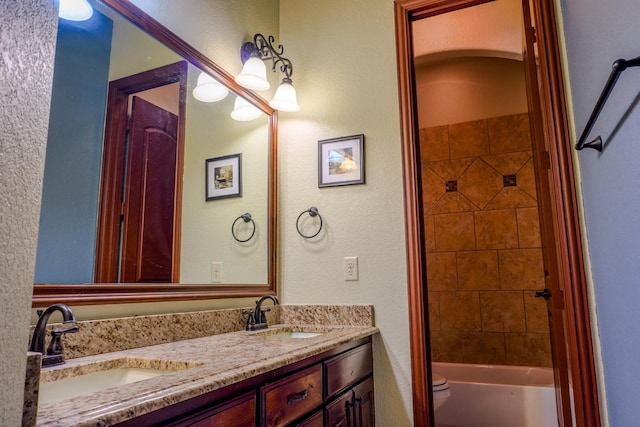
(99, 293)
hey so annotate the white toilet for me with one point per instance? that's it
(441, 391)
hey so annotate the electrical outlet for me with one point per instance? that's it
(216, 272)
(350, 268)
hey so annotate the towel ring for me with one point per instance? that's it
(246, 217)
(312, 211)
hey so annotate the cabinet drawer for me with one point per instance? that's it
(291, 397)
(346, 369)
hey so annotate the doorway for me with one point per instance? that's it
(141, 190)
(562, 258)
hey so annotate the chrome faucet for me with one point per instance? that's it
(55, 352)
(257, 319)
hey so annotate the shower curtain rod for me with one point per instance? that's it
(617, 68)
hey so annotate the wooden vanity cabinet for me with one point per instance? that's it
(334, 388)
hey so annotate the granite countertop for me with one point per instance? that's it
(202, 365)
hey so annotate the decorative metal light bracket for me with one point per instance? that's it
(262, 47)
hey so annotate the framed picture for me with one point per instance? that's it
(224, 177)
(341, 161)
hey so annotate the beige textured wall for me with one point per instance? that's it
(344, 69)
(484, 254)
(26, 69)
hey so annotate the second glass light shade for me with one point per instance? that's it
(253, 75)
(285, 98)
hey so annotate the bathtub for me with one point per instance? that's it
(497, 396)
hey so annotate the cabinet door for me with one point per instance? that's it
(238, 412)
(363, 407)
(354, 408)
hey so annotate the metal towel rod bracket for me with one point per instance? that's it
(617, 68)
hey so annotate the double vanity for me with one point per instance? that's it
(312, 366)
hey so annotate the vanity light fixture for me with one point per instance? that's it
(243, 111)
(253, 75)
(209, 89)
(75, 10)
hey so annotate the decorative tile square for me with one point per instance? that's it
(451, 186)
(469, 139)
(509, 180)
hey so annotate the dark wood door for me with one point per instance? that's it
(149, 196)
(553, 289)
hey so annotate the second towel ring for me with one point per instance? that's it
(246, 217)
(312, 211)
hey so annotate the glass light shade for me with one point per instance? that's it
(285, 98)
(209, 89)
(75, 10)
(243, 111)
(253, 75)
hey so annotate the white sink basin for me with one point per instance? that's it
(287, 332)
(89, 383)
(304, 334)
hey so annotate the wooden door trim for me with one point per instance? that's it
(570, 255)
(111, 180)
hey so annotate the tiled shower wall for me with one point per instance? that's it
(484, 256)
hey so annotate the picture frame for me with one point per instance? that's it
(223, 177)
(341, 161)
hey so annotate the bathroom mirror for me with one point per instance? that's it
(111, 69)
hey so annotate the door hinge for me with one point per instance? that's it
(532, 35)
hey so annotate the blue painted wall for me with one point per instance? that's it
(597, 33)
(67, 236)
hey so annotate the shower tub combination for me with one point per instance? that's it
(497, 396)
